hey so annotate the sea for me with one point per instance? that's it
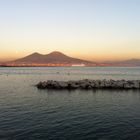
(27, 113)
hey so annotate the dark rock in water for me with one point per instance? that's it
(42, 85)
(90, 84)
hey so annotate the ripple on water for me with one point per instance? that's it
(28, 113)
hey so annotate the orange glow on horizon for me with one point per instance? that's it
(83, 55)
(88, 49)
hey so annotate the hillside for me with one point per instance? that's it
(52, 59)
(128, 63)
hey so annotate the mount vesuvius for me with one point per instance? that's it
(52, 59)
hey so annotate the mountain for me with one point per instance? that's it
(130, 62)
(53, 59)
(134, 62)
(32, 58)
(59, 59)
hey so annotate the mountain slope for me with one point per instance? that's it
(50, 59)
(60, 57)
(135, 62)
(130, 62)
(32, 58)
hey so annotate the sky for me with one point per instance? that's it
(96, 30)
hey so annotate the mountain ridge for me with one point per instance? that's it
(54, 58)
(130, 62)
(57, 58)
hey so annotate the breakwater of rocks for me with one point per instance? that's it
(90, 84)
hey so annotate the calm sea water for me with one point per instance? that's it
(27, 113)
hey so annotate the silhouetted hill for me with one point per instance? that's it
(59, 59)
(32, 58)
(135, 62)
(54, 58)
(130, 62)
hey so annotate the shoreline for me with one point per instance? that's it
(90, 84)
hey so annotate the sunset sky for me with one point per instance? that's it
(95, 30)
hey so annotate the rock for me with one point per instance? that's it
(42, 85)
(63, 84)
(119, 84)
(128, 85)
(97, 83)
(90, 84)
(72, 85)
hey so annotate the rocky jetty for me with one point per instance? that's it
(90, 84)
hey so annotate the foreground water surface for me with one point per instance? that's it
(27, 113)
